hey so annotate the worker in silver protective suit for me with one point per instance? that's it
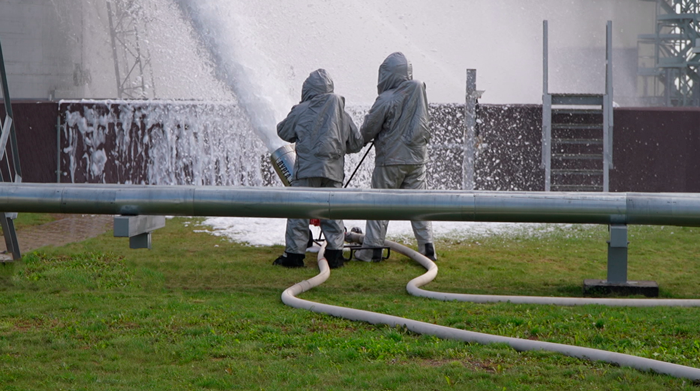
(323, 132)
(398, 123)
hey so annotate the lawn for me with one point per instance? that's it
(199, 312)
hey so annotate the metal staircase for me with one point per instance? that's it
(577, 132)
(13, 170)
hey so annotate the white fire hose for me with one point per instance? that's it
(644, 364)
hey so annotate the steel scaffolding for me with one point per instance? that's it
(669, 59)
(132, 64)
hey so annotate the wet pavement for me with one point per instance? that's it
(66, 229)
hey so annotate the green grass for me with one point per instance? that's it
(198, 312)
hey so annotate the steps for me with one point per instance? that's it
(577, 142)
(577, 132)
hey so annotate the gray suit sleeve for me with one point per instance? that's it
(355, 141)
(374, 120)
(285, 129)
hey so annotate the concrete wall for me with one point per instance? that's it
(208, 144)
(508, 148)
(146, 142)
(655, 150)
(36, 130)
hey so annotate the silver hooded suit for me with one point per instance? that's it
(399, 124)
(323, 133)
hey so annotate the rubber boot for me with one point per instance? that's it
(364, 255)
(430, 252)
(334, 258)
(290, 260)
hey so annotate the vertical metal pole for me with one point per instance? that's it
(470, 131)
(667, 88)
(112, 34)
(547, 140)
(657, 58)
(139, 60)
(546, 111)
(610, 90)
(608, 109)
(545, 64)
(58, 146)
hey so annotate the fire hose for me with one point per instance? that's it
(644, 364)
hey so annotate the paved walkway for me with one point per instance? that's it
(67, 229)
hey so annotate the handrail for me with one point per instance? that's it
(8, 112)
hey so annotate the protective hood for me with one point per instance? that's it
(321, 129)
(319, 82)
(394, 70)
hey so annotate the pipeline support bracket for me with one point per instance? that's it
(616, 282)
(11, 243)
(138, 229)
(617, 253)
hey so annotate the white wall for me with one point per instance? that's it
(62, 48)
(39, 57)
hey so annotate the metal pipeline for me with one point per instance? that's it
(290, 299)
(328, 203)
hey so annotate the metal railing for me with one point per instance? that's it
(12, 160)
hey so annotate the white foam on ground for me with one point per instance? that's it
(268, 232)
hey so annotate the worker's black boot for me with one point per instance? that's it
(290, 260)
(430, 252)
(334, 258)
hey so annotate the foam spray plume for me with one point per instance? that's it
(259, 97)
(248, 72)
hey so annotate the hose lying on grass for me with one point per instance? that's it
(644, 364)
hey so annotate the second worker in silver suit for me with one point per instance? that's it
(399, 124)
